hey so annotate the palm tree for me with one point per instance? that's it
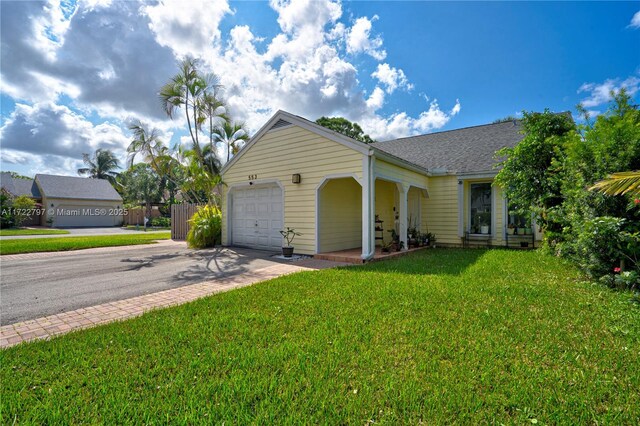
(620, 184)
(146, 143)
(232, 135)
(101, 165)
(185, 90)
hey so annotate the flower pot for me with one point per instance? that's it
(287, 251)
(510, 231)
(484, 229)
(527, 231)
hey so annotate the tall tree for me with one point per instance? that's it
(182, 91)
(147, 144)
(142, 185)
(345, 127)
(529, 175)
(101, 165)
(232, 136)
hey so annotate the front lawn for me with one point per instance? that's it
(38, 231)
(149, 228)
(33, 245)
(438, 337)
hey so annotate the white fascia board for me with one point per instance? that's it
(399, 162)
(477, 175)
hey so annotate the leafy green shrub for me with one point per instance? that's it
(206, 227)
(6, 212)
(22, 209)
(163, 222)
(598, 247)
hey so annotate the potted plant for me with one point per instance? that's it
(289, 234)
(386, 247)
(484, 217)
(511, 229)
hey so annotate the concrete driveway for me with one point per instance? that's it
(43, 284)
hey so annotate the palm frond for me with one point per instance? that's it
(621, 183)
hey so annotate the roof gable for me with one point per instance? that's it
(283, 119)
(53, 186)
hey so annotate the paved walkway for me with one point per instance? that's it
(54, 325)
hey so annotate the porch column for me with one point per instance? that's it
(368, 208)
(403, 191)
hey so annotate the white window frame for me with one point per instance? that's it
(492, 234)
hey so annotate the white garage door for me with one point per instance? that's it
(68, 215)
(256, 215)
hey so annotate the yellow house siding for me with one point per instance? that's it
(440, 210)
(276, 156)
(340, 215)
(385, 169)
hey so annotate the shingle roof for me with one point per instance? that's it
(470, 149)
(76, 187)
(18, 186)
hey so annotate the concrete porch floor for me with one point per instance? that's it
(353, 255)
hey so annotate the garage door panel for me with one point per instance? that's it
(257, 217)
(70, 215)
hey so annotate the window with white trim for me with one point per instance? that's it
(480, 211)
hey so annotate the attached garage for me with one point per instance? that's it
(257, 216)
(79, 202)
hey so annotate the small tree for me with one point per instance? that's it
(22, 208)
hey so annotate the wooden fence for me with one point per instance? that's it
(135, 216)
(180, 215)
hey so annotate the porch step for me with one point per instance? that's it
(339, 258)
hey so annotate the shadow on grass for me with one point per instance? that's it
(441, 261)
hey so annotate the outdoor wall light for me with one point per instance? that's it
(459, 182)
(295, 178)
(51, 204)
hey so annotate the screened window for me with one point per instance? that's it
(480, 205)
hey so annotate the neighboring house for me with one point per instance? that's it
(70, 201)
(77, 202)
(15, 187)
(439, 183)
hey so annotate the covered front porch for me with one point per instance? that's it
(355, 220)
(355, 255)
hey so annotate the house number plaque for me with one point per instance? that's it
(253, 177)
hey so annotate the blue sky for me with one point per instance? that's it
(74, 74)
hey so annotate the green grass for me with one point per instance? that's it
(33, 245)
(150, 228)
(11, 232)
(439, 337)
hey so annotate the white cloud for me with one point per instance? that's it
(359, 39)
(401, 124)
(391, 77)
(635, 21)
(376, 100)
(188, 29)
(600, 93)
(58, 132)
(107, 61)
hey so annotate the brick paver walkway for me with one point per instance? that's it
(53, 325)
